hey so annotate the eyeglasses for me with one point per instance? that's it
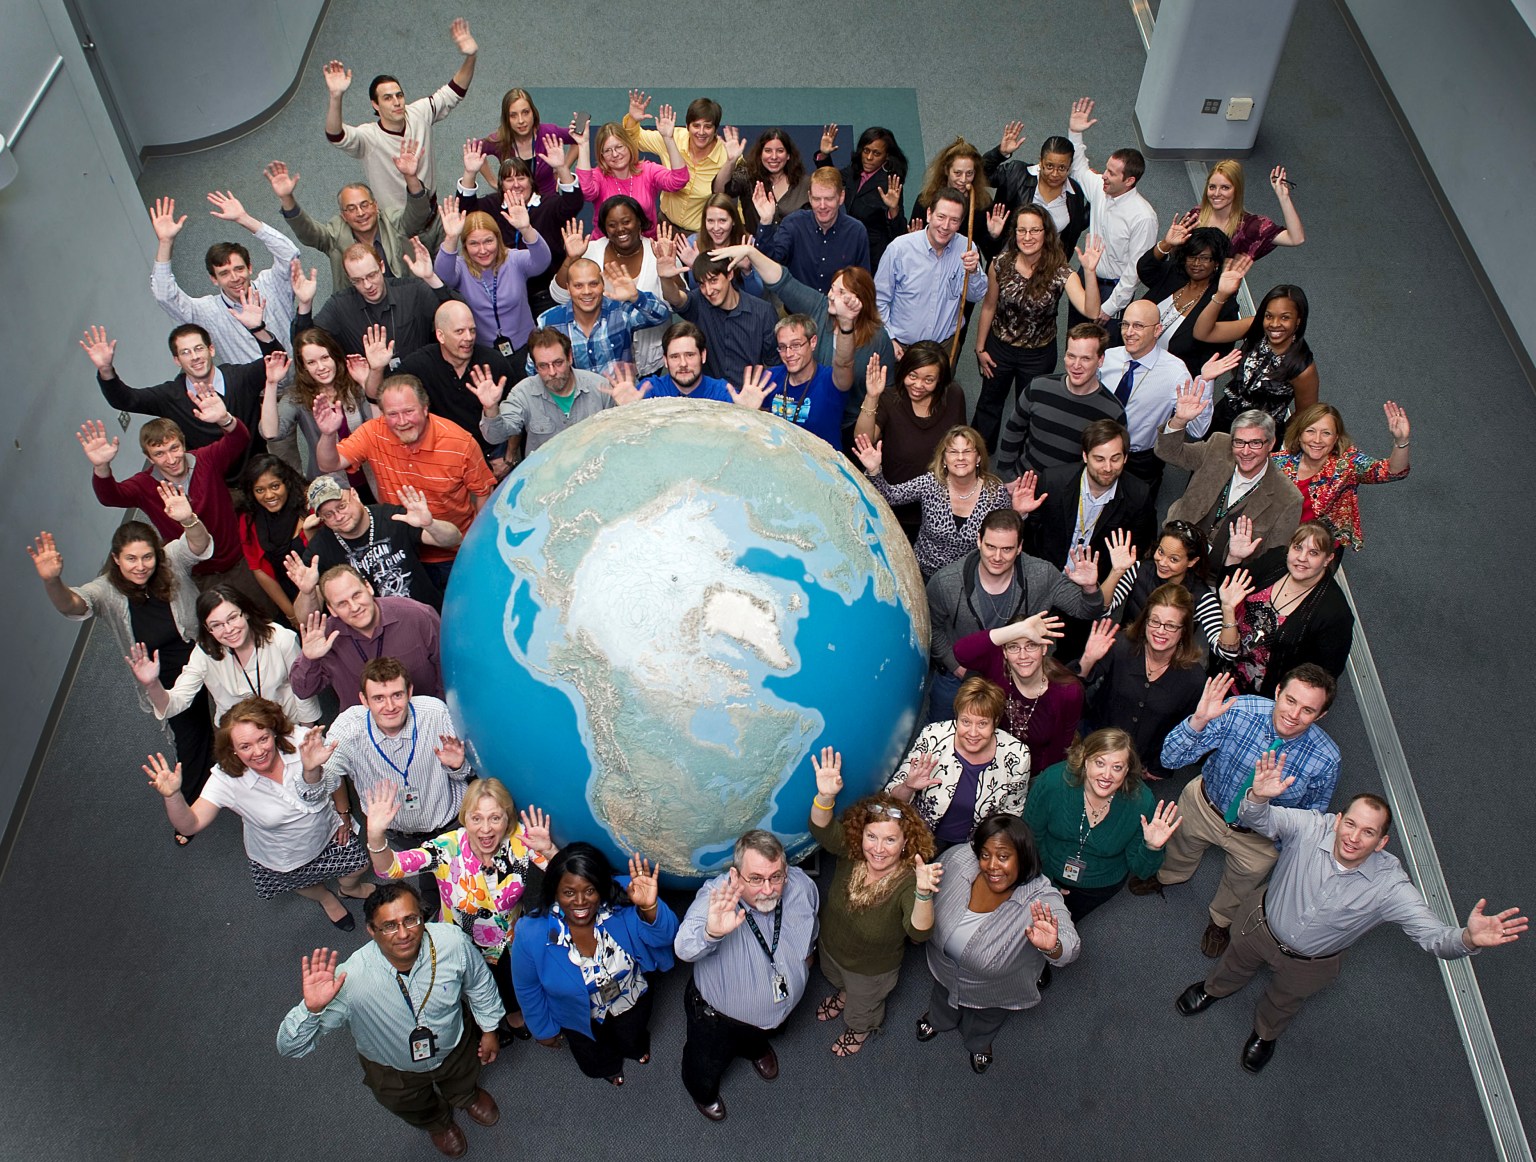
(775, 880)
(798, 345)
(1128, 326)
(394, 927)
(1165, 626)
(357, 207)
(1022, 647)
(234, 619)
(1054, 169)
(882, 809)
(1253, 444)
(1030, 231)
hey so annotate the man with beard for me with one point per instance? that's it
(748, 935)
(684, 348)
(381, 541)
(544, 404)
(454, 371)
(422, 1064)
(373, 627)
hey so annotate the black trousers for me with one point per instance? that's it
(192, 731)
(714, 1041)
(1016, 366)
(501, 973)
(601, 1050)
(1081, 901)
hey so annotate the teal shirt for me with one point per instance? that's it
(1054, 812)
(371, 1007)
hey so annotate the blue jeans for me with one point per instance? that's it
(941, 696)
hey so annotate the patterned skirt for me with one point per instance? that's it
(336, 860)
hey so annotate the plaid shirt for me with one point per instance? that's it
(613, 335)
(1238, 738)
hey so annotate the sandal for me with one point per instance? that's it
(925, 1031)
(831, 1007)
(643, 1059)
(616, 1080)
(848, 1042)
(179, 839)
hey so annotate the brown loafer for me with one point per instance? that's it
(767, 1065)
(451, 1141)
(1140, 887)
(714, 1111)
(1215, 940)
(484, 1109)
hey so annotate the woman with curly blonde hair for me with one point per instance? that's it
(881, 894)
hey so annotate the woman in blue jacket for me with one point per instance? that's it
(579, 960)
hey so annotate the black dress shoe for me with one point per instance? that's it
(1140, 887)
(767, 1065)
(925, 1031)
(1256, 1053)
(714, 1111)
(1045, 979)
(981, 1062)
(346, 923)
(1195, 999)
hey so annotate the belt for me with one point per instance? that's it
(1291, 952)
(1220, 814)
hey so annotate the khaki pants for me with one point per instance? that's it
(865, 1008)
(1249, 855)
(1292, 982)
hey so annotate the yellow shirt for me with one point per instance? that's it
(685, 207)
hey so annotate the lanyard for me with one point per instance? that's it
(406, 992)
(778, 930)
(256, 657)
(495, 310)
(403, 772)
(378, 649)
(1084, 828)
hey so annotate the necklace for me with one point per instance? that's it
(953, 495)
(1095, 813)
(1279, 606)
(1186, 306)
(1156, 670)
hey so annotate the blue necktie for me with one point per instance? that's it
(1127, 381)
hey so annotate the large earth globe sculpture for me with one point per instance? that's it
(665, 613)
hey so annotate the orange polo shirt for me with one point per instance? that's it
(446, 465)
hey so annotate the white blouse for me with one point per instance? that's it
(228, 682)
(287, 824)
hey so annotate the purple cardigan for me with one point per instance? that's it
(506, 315)
(1057, 713)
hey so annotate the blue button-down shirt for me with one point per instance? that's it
(918, 288)
(1238, 737)
(814, 255)
(612, 338)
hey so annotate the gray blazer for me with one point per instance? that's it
(1274, 505)
(998, 967)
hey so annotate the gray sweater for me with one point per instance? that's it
(952, 607)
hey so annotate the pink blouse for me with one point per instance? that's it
(649, 181)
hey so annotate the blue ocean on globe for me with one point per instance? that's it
(665, 612)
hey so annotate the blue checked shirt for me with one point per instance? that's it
(612, 339)
(1238, 738)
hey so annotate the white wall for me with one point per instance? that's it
(184, 70)
(1464, 75)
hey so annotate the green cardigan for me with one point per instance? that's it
(1054, 812)
(872, 941)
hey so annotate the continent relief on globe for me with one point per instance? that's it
(665, 612)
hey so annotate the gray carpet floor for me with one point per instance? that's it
(146, 1021)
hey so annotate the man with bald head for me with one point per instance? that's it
(367, 297)
(446, 368)
(1146, 379)
(601, 321)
